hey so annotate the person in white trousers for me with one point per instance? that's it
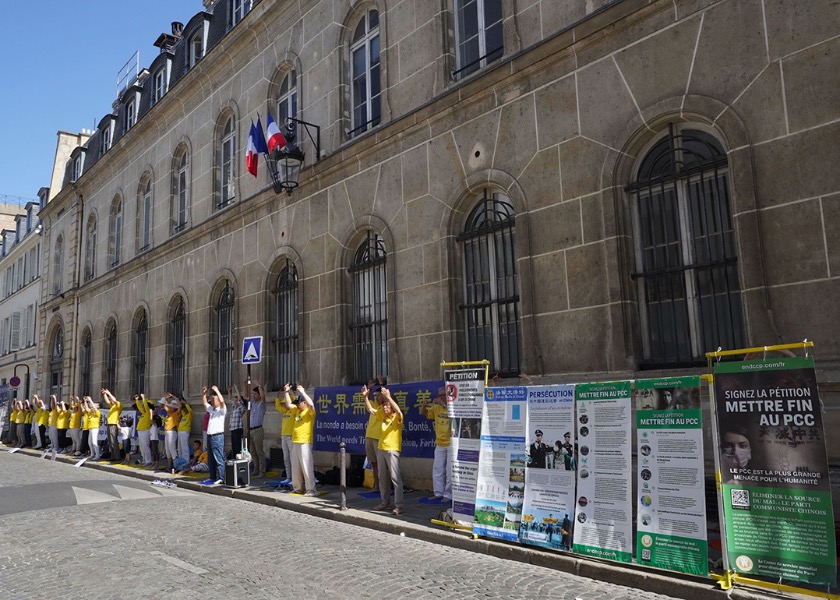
(442, 467)
(75, 429)
(184, 427)
(91, 410)
(144, 424)
(303, 465)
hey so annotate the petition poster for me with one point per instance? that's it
(501, 465)
(549, 509)
(604, 510)
(671, 522)
(774, 470)
(465, 399)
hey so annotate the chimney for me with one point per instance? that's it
(177, 29)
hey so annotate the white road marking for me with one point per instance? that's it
(179, 563)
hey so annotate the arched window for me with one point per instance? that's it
(225, 341)
(90, 249)
(110, 356)
(144, 214)
(226, 160)
(86, 363)
(115, 232)
(287, 102)
(58, 265)
(57, 361)
(479, 32)
(285, 337)
(491, 286)
(177, 347)
(686, 258)
(141, 349)
(370, 310)
(365, 80)
(180, 190)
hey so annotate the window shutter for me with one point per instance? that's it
(15, 332)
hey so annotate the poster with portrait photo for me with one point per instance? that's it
(774, 470)
(671, 506)
(549, 508)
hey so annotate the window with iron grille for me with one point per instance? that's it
(480, 38)
(177, 348)
(87, 361)
(365, 80)
(285, 337)
(111, 357)
(491, 287)
(224, 346)
(686, 259)
(115, 233)
(141, 348)
(370, 310)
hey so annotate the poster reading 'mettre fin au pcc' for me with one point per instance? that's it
(774, 470)
(604, 510)
(671, 522)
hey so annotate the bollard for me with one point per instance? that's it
(342, 456)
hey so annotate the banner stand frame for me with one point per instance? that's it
(729, 578)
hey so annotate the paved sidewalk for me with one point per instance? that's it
(416, 522)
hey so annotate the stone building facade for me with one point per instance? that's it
(574, 190)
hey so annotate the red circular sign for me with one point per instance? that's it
(14, 381)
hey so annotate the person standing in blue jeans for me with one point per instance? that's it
(215, 433)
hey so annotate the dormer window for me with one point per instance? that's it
(238, 10)
(105, 141)
(196, 49)
(130, 115)
(160, 85)
(77, 168)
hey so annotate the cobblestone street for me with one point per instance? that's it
(152, 542)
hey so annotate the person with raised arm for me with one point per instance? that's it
(63, 424)
(215, 433)
(170, 426)
(390, 418)
(113, 423)
(184, 427)
(257, 435)
(144, 424)
(75, 426)
(287, 425)
(302, 411)
(93, 417)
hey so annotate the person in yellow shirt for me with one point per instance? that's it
(19, 417)
(13, 418)
(53, 423)
(43, 420)
(442, 468)
(93, 417)
(198, 464)
(302, 411)
(184, 427)
(390, 418)
(286, 427)
(144, 424)
(173, 417)
(62, 425)
(372, 433)
(75, 427)
(113, 423)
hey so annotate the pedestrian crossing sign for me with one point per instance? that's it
(252, 350)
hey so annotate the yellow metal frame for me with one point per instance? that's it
(451, 525)
(805, 344)
(779, 587)
(466, 363)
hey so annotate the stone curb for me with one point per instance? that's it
(675, 585)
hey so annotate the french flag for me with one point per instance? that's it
(251, 156)
(275, 136)
(259, 140)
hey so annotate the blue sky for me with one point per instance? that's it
(58, 64)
